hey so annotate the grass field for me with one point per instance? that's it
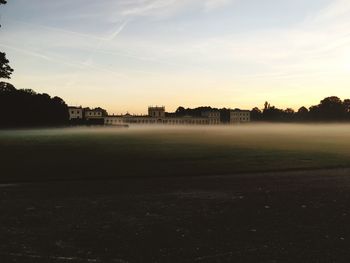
(78, 153)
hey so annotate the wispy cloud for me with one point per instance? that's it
(164, 8)
(214, 4)
(27, 52)
(89, 61)
(335, 10)
(315, 45)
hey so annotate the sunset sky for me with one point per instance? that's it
(124, 55)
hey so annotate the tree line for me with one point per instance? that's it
(330, 109)
(26, 108)
(20, 108)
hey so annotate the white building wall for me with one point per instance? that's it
(91, 114)
(75, 113)
(170, 120)
(114, 120)
(239, 116)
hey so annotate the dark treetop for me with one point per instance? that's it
(5, 69)
(26, 108)
(330, 109)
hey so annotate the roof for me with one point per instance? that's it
(94, 110)
(75, 107)
(162, 108)
(238, 110)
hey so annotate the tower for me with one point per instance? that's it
(156, 112)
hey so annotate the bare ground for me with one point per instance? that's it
(299, 216)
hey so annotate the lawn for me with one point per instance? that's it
(98, 153)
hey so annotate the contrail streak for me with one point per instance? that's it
(88, 62)
(58, 29)
(77, 65)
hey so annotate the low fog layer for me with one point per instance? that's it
(332, 138)
(110, 152)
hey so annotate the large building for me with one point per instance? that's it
(156, 115)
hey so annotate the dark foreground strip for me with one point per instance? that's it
(8, 183)
(57, 258)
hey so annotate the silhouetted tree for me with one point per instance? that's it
(303, 110)
(289, 111)
(6, 87)
(41, 109)
(21, 108)
(329, 109)
(289, 114)
(197, 112)
(271, 113)
(302, 114)
(5, 69)
(225, 115)
(266, 105)
(104, 112)
(180, 110)
(346, 104)
(256, 114)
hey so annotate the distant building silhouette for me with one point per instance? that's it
(156, 115)
(214, 115)
(239, 116)
(156, 112)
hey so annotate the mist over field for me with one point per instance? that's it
(94, 152)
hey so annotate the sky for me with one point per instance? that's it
(125, 55)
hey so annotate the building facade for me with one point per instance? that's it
(156, 112)
(75, 113)
(93, 113)
(156, 115)
(114, 120)
(239, 116)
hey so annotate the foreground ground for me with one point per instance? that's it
(260, 193)
(270, 217)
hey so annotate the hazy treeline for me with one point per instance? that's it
(20, 108)
(197, 112)
(328, 110)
